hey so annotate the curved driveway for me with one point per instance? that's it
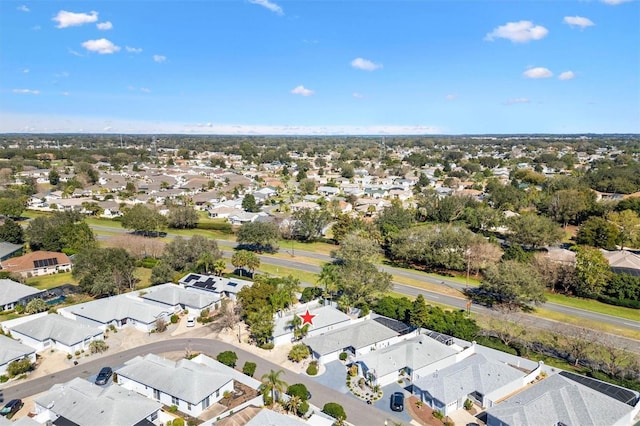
(358, 412)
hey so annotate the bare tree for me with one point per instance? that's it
(614, 357)
(482, 254)
(138, 246)
(229, 314)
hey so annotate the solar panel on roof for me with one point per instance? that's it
(620, 394)
(43, 263)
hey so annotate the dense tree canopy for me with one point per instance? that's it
(513, 285)
(11, 232)
(184, 255)
(143, 219)
(259, 236)
(182, 217)
(104, 271)
(60, 232)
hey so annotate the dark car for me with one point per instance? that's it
(11, 407)
(104, 375)
(397, 401)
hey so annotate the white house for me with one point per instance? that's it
(567, 399)
(355, 339)
(120, 311)
(81, 402)
(56, 332)
(12, 350)
(224, 287)
(13, 293)
(176, 298)
(326, 318)
(191, 386)
(416, 357)
(480, 379)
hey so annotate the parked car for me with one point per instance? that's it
(397, 401)
(191, 321)
(11, 407)
(104, 375)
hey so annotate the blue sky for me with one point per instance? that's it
(320, 66)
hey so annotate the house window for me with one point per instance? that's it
(175, 401)
(189, 406)
(218, 393)
(205, 403)
(154, 416)
(156, 394)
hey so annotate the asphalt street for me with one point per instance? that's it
(358, 412)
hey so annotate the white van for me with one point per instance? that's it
(191, 321)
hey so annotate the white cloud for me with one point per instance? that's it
(65, 93)
(36, 28)
(159, 58)
(70, 19)
(133, 49)
(301, 90)
(25, 71)
(23, 8)
(518, 32)
(615, 2)
(451, 97)
(63, 74)
(517, 101)
(538, 72)
(269, 5)
(102, 46)
(578, 21)
(358, 95)
(104, 25)
(567, 75)
(74, 53)
(26, 91)
(145, 90)
(365, 64)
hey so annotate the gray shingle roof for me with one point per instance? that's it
(183, 379)
(358, 336)
(11, 350)
(556, 400)
(325, 317)
(173, 294)
(414, 353)
(117, 308)
(475, 373)
(7, 248)
(84, 403)
(11, 291)
(271, 418)
(58, 328)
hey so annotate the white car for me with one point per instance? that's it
(191, 321)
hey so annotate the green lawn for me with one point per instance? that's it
(582, 322)
(280, 271)
(595, 306)
(46, 282)
(144, 275)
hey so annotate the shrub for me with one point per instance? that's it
(303, 408)
(173, 408)
(438, 414)
(16, 368)
(468, 404)
(249, 368)
(19, 309)
(334, 410)
(161, 325)
(178, 421)
(267, 399)
(3, 379)
(312, 369)
(268, 346)
(343, 356)
(69, 356)
(98, 346)
(299, 352)
(299, 390)
(228, 358)
(174, 319)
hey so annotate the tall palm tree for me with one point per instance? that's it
(293, 405)
(271, 382)
(329, 276)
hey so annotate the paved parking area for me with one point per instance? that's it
(384, 403)
(334, 377)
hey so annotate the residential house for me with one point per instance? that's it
(80, 402)
(8, 250)
(414, 358)
(302, 205)
(37, 263)
(356, 339)
(623, 262)
(13, 294)
(244, 217)
(124, 310)
(325, 318)
(477, 378)
(12, 350)
(225, 287)
(52, 331)
(328, 191)
(190, 386)
(177, 298)
(567, 399)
